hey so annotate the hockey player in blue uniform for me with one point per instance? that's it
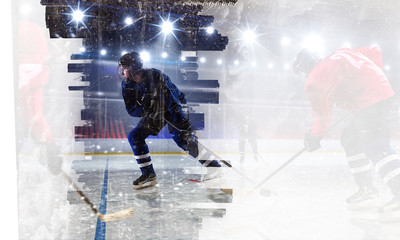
(150, 94)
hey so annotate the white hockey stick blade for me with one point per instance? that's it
(116, 216)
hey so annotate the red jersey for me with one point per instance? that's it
(350, 79)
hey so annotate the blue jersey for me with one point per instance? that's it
(156, 94)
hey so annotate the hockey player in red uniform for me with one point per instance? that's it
(32, 79)
(354, 81)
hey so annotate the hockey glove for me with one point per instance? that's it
(151, 105)
(311, 143)
(185, 130)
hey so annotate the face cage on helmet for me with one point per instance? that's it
(304, 69)
(119, 72)
(301, 71)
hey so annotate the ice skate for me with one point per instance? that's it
(145, 181)
(214, 179)
(213, 173)
(364, 198)
(390, 212)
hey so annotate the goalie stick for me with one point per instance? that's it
(103, 217)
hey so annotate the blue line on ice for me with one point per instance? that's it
(101, 226)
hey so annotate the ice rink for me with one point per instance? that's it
(245, 92)
(306, 200)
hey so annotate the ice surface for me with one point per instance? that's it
(262, 103)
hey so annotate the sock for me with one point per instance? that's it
(360, 168)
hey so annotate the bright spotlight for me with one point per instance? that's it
(249, 36)
(77, 15)
(285, 41)
(202, 59)
(128, 21)
(210, 30)
(270, 65)
(164, 55)
(387, 67)
(253, 63)
(183, 58)
(167, 27)
(145, 56)
(103, 52)
(313, 42)
(82, 49)
(219, 61)
(236, 62)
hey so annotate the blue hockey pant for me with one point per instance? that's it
(137, 140)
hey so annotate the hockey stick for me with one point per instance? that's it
(295, 156)
(264, 191)
(103, 217)
(197, 142)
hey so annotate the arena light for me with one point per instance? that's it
(77, 15)
(285, 41)
(183, 58)
(167, 27)
(236, 62)
(82, 49)
(219, 61)
(128, 21)
(249, 36)
(313, 42)
(103, 52)
(210, 30)
(164, 55)
(202, 59)
(145, 56)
